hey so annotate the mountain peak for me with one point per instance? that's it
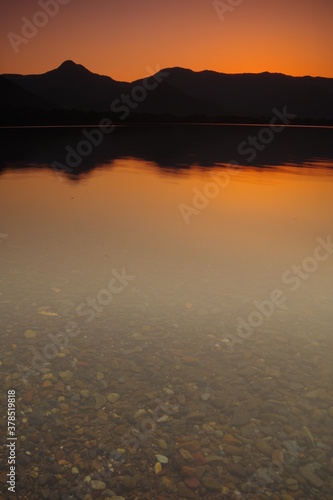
(70, 66)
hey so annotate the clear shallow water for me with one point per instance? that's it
(124, 269)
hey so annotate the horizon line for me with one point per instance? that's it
(172, 67)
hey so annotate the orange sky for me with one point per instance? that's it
(120, 38)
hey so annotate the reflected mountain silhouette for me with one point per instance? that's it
(170, 148)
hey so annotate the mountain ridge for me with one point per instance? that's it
(180, 92)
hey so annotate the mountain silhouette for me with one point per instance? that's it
(71, 86)
(180, 93)
(15, 97)
(256, 94)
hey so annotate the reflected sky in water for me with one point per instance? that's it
(69, 231)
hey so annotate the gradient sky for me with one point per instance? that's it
(120, 38)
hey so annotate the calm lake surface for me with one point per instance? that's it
(166, 311)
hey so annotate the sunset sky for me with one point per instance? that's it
(120, 38)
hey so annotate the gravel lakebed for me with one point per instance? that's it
(152, 412)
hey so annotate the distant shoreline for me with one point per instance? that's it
(33, 119)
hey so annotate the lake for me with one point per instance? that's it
(166, 311)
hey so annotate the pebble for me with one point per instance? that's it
(28, 396)
(192, 482)
(100, 401)
(162, 459)
(210, 483)
(8, 363)
(213, 459)
(162, 444)
(318, 415)
(233, 450)
(308, 435)
(181, 399)
(158, 467)
(29, 334)
(66, 376)
(230, 439)
(278, 456)
(102, 415)
(199, 458)
(168, 391)
(36, 419)
(97, 485)
(316, 394)
(208, 429)
(237, 470)
(311, 477)
(51, 479)
(190, 360)
(59, 386)
(195, 416)
(139, 413)
(292, 484)
(128, 482)
(240, 417)
(264, 447)
(273, 372)
(49, 439)
(184, 492)
(187, 471)
(205, 396)
(164, 418)
(186, 454)
(192, 445)
(112, 397)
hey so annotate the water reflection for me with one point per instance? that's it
(178, 240)
(122, 321)
(171, 148)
